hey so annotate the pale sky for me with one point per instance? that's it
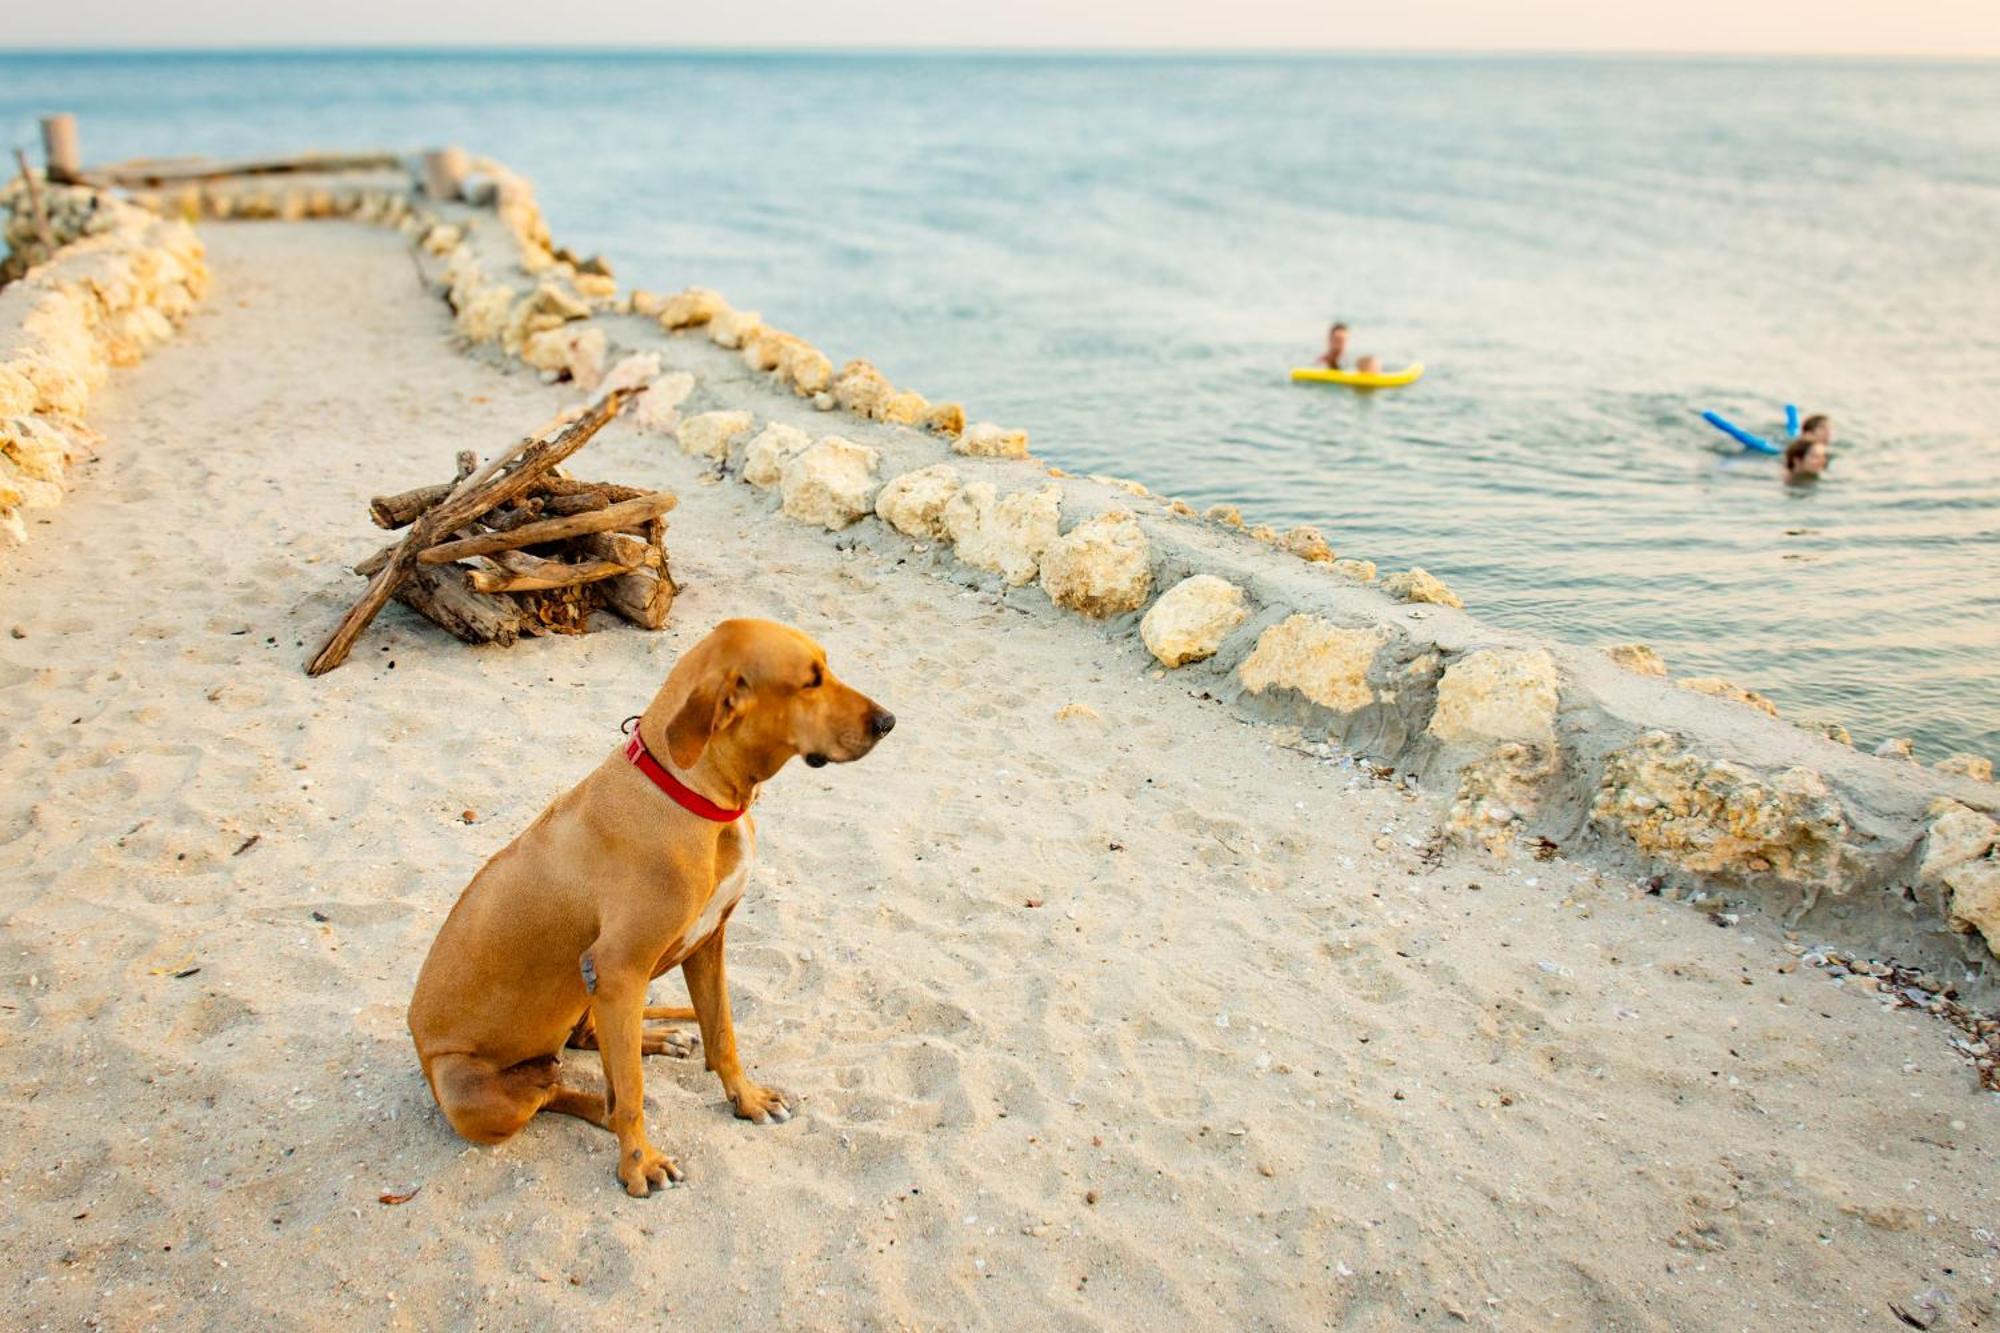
(1832, 27)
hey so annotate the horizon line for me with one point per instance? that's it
(1002, 52)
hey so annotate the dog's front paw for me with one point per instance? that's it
(761, 1106)
(645, 1168)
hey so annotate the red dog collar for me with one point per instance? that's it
(686, 797)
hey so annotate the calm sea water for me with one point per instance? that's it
(1125, 255)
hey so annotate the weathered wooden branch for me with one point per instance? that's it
(583, 502)
(34, 188)
(612, 492)
(445, 596)
(406, 507)
(531, 573)
(484, 490)
(621, 548)
(644, 597)
(628, 514)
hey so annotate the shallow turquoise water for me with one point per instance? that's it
(1124, 255)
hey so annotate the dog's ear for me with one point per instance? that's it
(708, 709)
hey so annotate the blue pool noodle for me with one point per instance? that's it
(1791, 421)
(1754, 443)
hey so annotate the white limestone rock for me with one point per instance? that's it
(659, 408)
(1419, 585)
(1005, 535)
(1326, 663)
(914, 503)
(1102, 567)
(731, 328)
(764, 458)
(832, 483)
(709, 434)
(1957, 835)
(1977, 767)
(1636, 658)
(1718, 688)
(1191, 619)
(1497, 694)
(983, 439)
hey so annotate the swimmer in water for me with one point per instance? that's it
(1336, 348)
(1806, 456)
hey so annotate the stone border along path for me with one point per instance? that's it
(1698, 783)
(118, 282)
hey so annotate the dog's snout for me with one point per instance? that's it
(881, 722)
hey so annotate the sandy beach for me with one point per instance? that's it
(1103, 1006)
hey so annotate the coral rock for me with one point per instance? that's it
(1006, 535)
(659, 409)
(765, 458)
(574, 351)
(1976, 767)
(1228, 515)
(907, 408)
(732, 328)
(1975, 900)
(914, 503)
(1497, 694)
(805, 368)
(1500, 792)
(1957, 835)
(1833, 731)
(861, 389)
(1419, 585)
(483, 312)
(1713, 817)
(945, 419)
(1307, 543)
(1637, 658)
(831, 484)
(1361, 571)
(1718, 688)
(1101, 567)
(1192, 618)
(709, 434)
(685, 310)
(983, 439)
(1326, 663)
(1897, 747)
(765, 349)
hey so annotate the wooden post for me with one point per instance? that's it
(444, 173)
(59, 149)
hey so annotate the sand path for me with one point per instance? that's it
(1240, 1067)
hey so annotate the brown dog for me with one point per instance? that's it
(633, 871)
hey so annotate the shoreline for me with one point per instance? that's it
(1267, 1046)
(1651, 777)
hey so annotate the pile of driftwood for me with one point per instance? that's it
(553, 549)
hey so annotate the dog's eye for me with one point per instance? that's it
(817, 677)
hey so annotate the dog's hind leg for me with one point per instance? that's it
(489, 1105)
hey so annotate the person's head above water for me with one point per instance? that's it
(1336, 341)
(1806, 456)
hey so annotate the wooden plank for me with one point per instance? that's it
(187, 171)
